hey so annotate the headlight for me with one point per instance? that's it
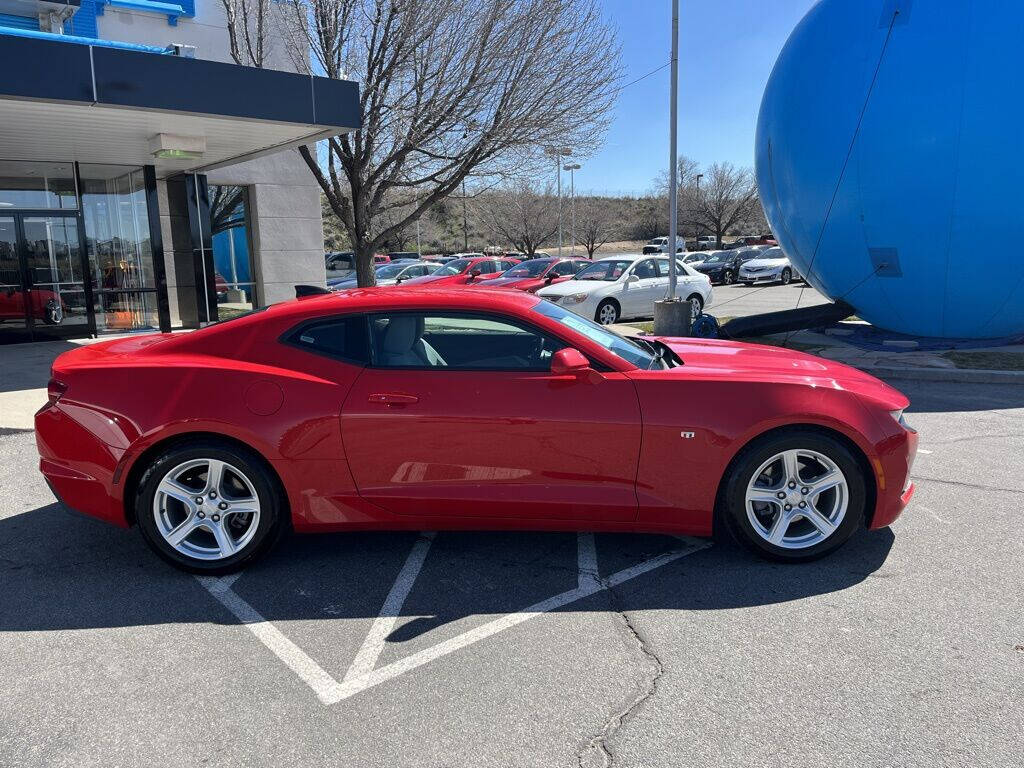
(898, 416)
(576, 298)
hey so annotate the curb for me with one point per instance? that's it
(958, 375)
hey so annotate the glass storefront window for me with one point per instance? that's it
(25, 184)
(118, 245)
(232, 258)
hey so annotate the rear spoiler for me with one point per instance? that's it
(305, 291)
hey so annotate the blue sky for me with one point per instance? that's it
(727, 49)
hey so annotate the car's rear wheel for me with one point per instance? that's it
(696, 306)
(795, 496)
(208, 507)
(787, 276)
(607, 312)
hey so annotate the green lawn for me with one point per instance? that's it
(992, 360)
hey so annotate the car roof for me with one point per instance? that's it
(632, 257)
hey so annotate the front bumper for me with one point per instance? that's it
(753, 277)
(892, 477)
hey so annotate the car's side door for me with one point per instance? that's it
(459, 415)
(641, 289)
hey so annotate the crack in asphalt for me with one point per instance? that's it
(962, 484)
(598, 746)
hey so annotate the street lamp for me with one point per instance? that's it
(558, 153)
(671, 316)
(572, 168)
(700, 225)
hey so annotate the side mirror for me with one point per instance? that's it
(475, 273)
(634, 279)
(549, 277)
(569, 362)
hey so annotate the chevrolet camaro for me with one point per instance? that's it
(411, 408)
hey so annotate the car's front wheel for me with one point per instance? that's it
(787, 276)
(795, 496)
(208, 507)
(607, 312)
(728, 278)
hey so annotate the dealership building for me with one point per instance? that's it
(147, 181)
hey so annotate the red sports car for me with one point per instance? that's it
(464, 272)
(532, 275)
(403, 408)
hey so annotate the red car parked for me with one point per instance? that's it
(532, 275)
(401, 408)
(464, 272)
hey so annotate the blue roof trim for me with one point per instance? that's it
(37, 35)
(11, 21)
(173, 8)
(83, 23)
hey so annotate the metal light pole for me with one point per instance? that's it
(558, 153)
(671, 316)
(572, 168)
(419, 249)
(465, 221)
(700, 230)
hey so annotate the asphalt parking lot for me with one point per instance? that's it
(904, 649)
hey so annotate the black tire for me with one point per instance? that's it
(271, 514)
(728, 278)
(603, 306)
(787, 276)
(54, 314)
(696, 305)
(733, 510)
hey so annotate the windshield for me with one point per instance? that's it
(532, 268)
(773, 253)
(630, 351)
(717, 257)
(609, 270)
(456, 267)
(390, 270)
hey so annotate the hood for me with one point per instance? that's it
(753, 362)
(710, 266)
(521, 283)
(573, 286)
(428, 279)
(778, 262)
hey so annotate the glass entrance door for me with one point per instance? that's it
(43, 291)
(13, 322)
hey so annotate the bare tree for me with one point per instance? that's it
(725, 196)
(249, 25)
(597, 221)
(519, 215)
(448, 89)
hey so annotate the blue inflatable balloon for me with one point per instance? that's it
(890, 161)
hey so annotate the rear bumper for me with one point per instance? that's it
(78, 467)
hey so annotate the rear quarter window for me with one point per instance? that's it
(343, 337)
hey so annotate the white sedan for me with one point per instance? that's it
(772, 265)
(622, 287)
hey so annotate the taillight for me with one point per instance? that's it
(54, 390)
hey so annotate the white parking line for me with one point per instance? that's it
(374, 643)
(365, 676)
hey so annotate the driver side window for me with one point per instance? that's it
(458, 341)
(645, 269)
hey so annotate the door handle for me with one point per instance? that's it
(393, 398)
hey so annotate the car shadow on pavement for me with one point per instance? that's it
(63, 571)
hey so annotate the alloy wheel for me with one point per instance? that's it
(797, 499)
(696, 307)
(607, 314)
(727, 278)
(206, 509)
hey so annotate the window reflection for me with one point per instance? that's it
(229, 224)
(119, 248)
(26, 184)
